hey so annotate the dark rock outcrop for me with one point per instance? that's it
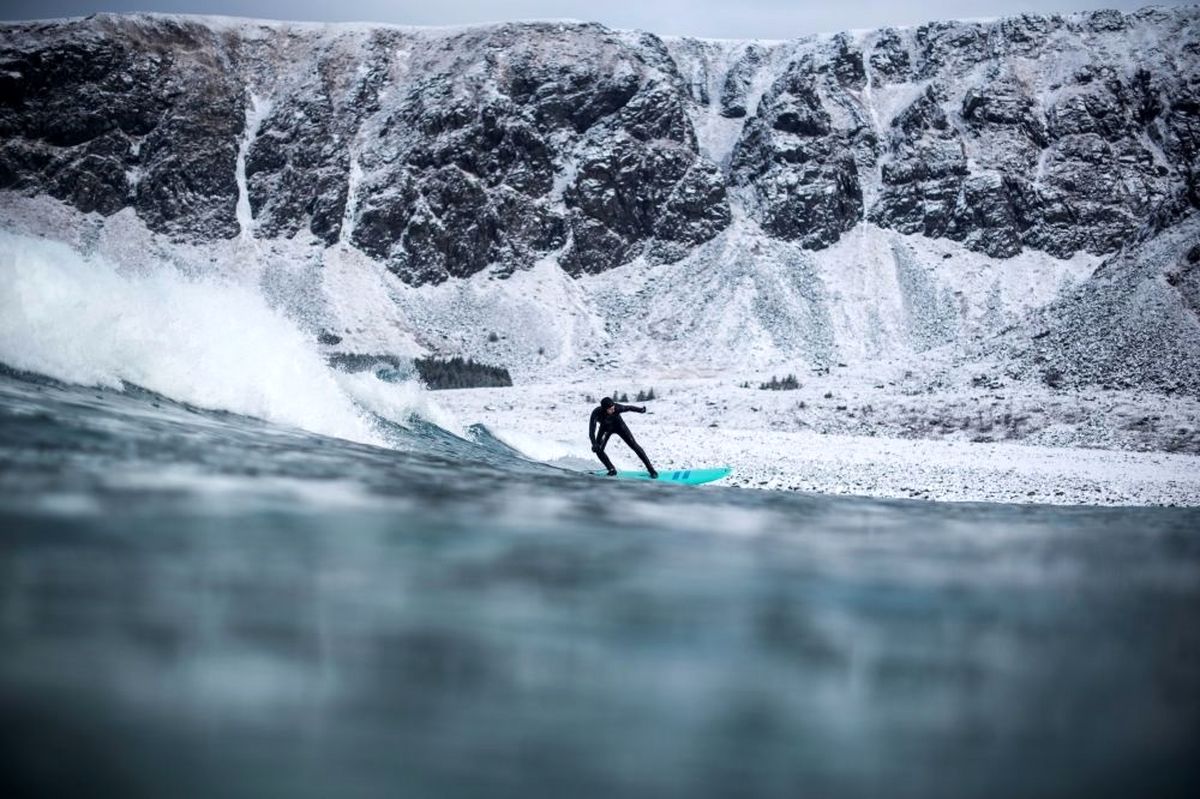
(736, 86)
(104, 117)
(889, 58)
(1062, 168)
(800, 170)
(629, 193)
(475, 154)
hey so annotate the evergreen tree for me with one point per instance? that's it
(788, 383)
(457, 373)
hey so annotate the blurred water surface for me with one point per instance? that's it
(200, 604)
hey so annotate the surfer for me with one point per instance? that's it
(606, 420)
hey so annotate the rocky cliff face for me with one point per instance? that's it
(445, 153)
(1063, 141)
(105, 115)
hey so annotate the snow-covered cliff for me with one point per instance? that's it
(608, 199)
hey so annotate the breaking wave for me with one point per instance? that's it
(210, 343)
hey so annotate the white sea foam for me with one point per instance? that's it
(542, 448)
(397, 401)
(210, 343)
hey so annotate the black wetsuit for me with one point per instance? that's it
(602, 425)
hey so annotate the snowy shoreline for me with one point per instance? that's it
(548, 423)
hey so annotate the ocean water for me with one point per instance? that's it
(229, 570)
(196, 603)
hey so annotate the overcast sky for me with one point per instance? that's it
(735, 19)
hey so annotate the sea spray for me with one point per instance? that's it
(207, 342)
(397, 400)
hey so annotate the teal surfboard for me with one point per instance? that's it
(691, 477)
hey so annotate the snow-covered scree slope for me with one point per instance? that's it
(1134, 323)
(564, 199)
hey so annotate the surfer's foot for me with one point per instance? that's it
(653, 474)
(612, 472)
